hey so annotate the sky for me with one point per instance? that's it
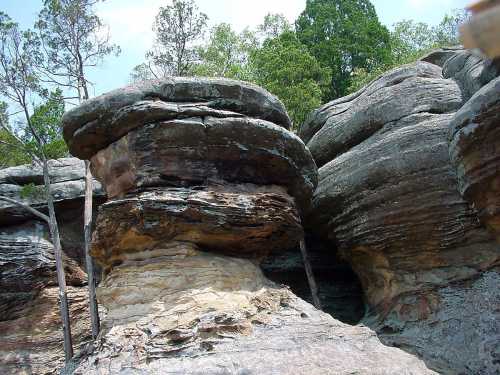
(130, 23)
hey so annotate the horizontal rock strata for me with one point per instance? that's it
(197, 199)
(30, 326)
(388, 197)
(474, 151)
(102, 120)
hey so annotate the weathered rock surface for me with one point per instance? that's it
(440, 55)
(470, 71)
(343, 123)
(387, 195)
(204, 151)
(192, 312)
(27, 266)
(195, 203)
(242, 220)
(31, 343)
(68, 188)
(30, 326)
(474, 151)
(102, 120)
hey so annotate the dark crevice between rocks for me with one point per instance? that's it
(339, 288)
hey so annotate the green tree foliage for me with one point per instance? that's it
(46, 119)
(226, 53)
(343, 35)
(285, 67)
(274, 25)
(73, 39)
(411, 40)
(178, 28)
(11, 150)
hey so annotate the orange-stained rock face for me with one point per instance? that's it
(203, 151)
(32, 342)
(241, 220)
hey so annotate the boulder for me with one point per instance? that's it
(471, 71)
(195, 204)
(440, 55)
(104, 119)
(31, 340)
(68, 188)
(387, 196)
(210, 150)
(474, 151)
(342, 124)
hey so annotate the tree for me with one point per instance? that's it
(284, 67)
(11, 152)
(226, 53)
(274, 25)
(447, 32)
(411, 40)
(74, 39)
(177, 27)
(19, 84)
(343, 35)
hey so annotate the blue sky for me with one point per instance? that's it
(130, 23)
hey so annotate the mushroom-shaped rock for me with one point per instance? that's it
(475, 152)
(203, 181)
(387, 195)
(104, 119)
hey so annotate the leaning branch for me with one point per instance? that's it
(26, 207)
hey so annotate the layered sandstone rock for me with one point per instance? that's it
(388, 197)
(204, 181)
(30, 325)
(475, 153)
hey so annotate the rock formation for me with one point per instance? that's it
(204, 181)
(30, 325)
(388, 197)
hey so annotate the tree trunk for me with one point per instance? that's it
(310, 275)
(87, 228)
(61, 279)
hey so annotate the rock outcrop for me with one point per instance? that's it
(388, 197)
(30, 325)
(474, 151)
(204, 181)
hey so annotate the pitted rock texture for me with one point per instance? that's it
(388, 197)
(102, 120)
(474, 151)
(192, 312)
(30, 326)
(471, 309)
(200, 151)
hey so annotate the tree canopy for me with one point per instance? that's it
(343, 35)
(285, 68)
